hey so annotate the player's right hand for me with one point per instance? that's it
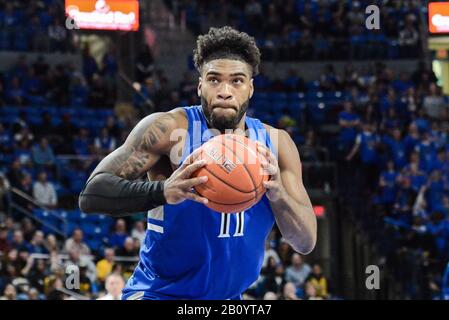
(179, 186)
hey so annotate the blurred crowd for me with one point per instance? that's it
(36, 83)
(38, 266)
(313, 30)
(286, 276)
(388, 132)
(391, 145)
(393, 148)
(28, 25)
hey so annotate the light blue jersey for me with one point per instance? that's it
(193, 252)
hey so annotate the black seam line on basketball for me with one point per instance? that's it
(244, 165)
(245, 146)
(230, 204)
(227, 183)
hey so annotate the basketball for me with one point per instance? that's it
(235, 177)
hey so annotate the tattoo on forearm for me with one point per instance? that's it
(130, 164)
(131, 169)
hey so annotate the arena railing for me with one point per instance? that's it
(30, 214)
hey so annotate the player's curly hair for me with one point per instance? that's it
(226, 42)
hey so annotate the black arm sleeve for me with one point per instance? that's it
(109, 194)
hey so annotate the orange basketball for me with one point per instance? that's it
(234, 173)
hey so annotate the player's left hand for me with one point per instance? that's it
(269, 162)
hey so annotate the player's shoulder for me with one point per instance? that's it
(154, 131)
(166, 121)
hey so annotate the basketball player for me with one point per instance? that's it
(191, 251)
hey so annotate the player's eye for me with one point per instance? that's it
(237, 81)
(213, 80)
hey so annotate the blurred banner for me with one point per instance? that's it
(104, 14)
(439, 17)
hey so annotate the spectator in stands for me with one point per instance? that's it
(4, 243)
(387, 186)
(118, 237)
(33, 294)
(270, 253)
(32, 85)
(114, 129)
(105, 143)
(80, 260)
(348, 122)
(66, 132)
(15, 95)
(433, 103)
(76, 243)
(51, 244)
(408, 38)
(10, 227)
(5, 140)
(285, 252)
(275, 279)
(367, 143)
(289, 292)
(298, 272)
(81, 142)
(44, 192)
(109, 70)
(87, 285)
(128, 249)
(114, 286)
(18, 242)
(99, 96)
(37, 243)
(26, 188)
(79, 91)
(329, 80)
(319, 281)
(28, 229)
(139, 231)
(9, 293)
(90, 66)
(4, 193)
(57, 35)
(397, 148)
(144, 95)
(144, 66)
(54, 284)
(37, 274)
(311, 292)
(15, 173)
(23, 152)
(24, 134)
(43, 155)
(104, 266)
(270, 296)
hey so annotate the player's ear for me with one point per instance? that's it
(251, 87)
(200, 81)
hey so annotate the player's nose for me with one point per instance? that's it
(224, 92)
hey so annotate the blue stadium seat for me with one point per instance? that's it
(90, 228)
(74, 215)
(317, 112)
(20, 41)
(94, 243)
(71, 226)
(313, 86)
(277, 97)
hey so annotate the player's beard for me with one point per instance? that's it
(224, 122)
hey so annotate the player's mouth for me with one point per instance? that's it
(224, 107)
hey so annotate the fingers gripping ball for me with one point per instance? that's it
(235, 176)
